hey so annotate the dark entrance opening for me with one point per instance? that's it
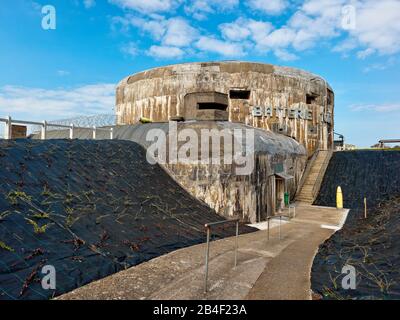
(212, 106)
(239, 94)
(311, 98)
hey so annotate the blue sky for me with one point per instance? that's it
(73, 70)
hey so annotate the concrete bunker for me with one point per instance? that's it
(289, 110)
(285, 100)
(206, 106)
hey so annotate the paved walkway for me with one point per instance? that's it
(267, 269)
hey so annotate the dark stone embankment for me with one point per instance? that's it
(90, 209)
(370, 245)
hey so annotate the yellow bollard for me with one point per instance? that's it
(339, 198)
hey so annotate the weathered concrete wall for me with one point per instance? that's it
(250, 197)
(284, 100)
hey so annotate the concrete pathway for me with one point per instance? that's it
(267, 269)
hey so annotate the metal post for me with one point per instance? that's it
(207, 254)
(94, 132)
(43, 134)
(236, 242)
(365, 208)
(112, 133)
(268, 226)
(71, 131)
(8, 129)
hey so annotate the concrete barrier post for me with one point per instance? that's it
(71, 131)
(236, 242)
(111, 133)
(8, 129)
(43, 132)
(365, 208)
(207, 257)
(94, 132)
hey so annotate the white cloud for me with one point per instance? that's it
(284, 55)
(130, 49)
(345, 46)
(175, 31)
(200, 9)
(314, 23)
(243, 28)
(365, 53)
(388, 107)
(41, 104)
(165, 52)
(63, 73)
(380, 66)
(147, 6)
(280, 38)
(376, 28)
(378, 25)
(272, 7)
(223, 48)
(179, 33)
(89, 3)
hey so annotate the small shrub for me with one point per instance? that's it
(6, 247)
(38, 229)
(14, 196)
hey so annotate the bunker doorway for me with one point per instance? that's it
(281, 187)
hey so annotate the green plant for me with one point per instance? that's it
(40, 215)
(36, 228)
(46, 192)
(70, 220)
(14, 196)
(6, 247)
(4, 214)
(68, 198)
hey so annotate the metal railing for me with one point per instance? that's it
(382, 142)
(44, 125)
(280, 224)
(208, 227)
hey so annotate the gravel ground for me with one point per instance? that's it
(370, 245)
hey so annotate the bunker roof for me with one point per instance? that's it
(222, 67)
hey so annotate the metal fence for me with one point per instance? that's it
(8, 121)
(208, 227)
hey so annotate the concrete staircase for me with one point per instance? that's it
(313, 176)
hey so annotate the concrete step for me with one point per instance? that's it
(305, 195)
(306, 200)
(306, 192)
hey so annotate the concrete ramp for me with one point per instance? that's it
(267, 269)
